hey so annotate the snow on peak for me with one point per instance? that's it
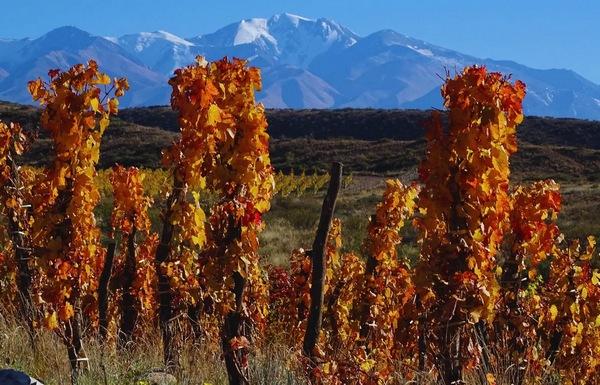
(293, 19)
(112, 39)
(140, 41)
(283, 38)
(171, 38)
(422, 51)
(160, 51)
(250, 30)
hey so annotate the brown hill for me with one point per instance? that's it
(368, 141)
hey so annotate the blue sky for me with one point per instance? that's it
(541, 34)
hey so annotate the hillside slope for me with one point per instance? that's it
(377, 142)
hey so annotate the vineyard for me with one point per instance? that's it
(456, 277)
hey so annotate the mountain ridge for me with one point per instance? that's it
(306, 63)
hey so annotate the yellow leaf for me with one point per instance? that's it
(104, 122)
(574, 308)
(367, 365)
(103, 79)
(51, 321)
(388, 292)
(499, 271)
(198, 240)
(199, 216)
(95, 104)
(213, 115)
(553, 312)
(591, 241)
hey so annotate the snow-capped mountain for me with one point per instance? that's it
(160, 51)
(66, 46)
(283, 39)
(306, 63)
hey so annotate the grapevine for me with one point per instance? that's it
(75, 115)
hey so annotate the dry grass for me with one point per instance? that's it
(272, 365)
(199, 365)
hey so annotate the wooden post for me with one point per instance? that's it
(319, 263)
(235, 325)
(73, 341)
(129, 309)
(103, 283)
(165, 296)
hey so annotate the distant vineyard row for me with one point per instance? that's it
(156, 182)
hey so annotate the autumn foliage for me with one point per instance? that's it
(491, 271)
(223, 150)
(133, 270)
(64, 233)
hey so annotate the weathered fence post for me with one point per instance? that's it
(319, 263)
(165, 295)
(103, 284)
(129, 310)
